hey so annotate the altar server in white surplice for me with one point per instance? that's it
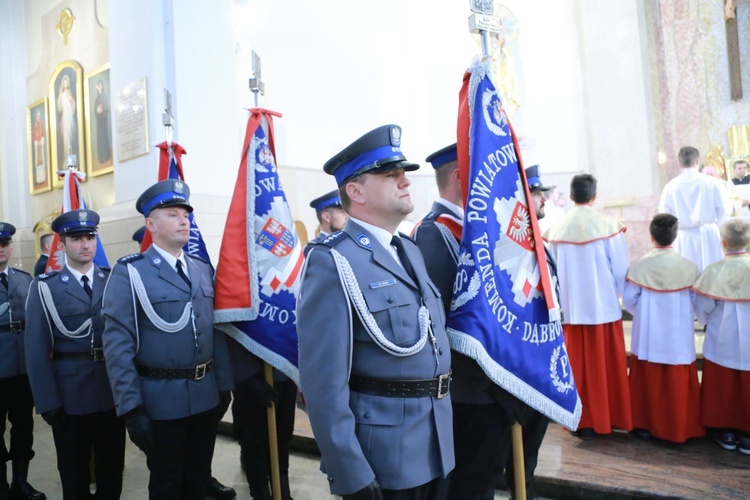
(698, 202)
(664, 387)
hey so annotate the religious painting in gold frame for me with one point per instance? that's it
(97, 97)
(37, 133)
(66, 118)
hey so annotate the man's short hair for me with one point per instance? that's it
(346, 202)
(687, 156)
(663, 229)
(45, 239)
(583, 188)
(735, 233)
(319, 214)
(443, 175)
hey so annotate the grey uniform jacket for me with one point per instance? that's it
(124, 348)
(403, 442)
(12, 361)
(79, 386)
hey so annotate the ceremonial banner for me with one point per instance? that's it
(504, 312)
(260, 259)
(170, 167)
(72, 200)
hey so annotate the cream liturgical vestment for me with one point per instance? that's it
(658, 286)
(585, 239)
(699, 204)
(723, 302)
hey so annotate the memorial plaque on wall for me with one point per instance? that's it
(132, 121)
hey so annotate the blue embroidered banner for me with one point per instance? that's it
(261, 257)
(504, 313)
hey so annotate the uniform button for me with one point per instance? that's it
(199, 350)
(390, 300)
(199, 334)
(440, 351)
(366, 415)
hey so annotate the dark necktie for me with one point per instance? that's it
(4, 280)
(396, 242)
(86, 287)
(182, 273)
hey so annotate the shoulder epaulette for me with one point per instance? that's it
(434, 214)
(197, 257)
(130, 258)
(105, 268)
(332, 239)
(21, 271)
(47, 275)
(407, 237)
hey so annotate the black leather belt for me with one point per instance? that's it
(196, 372)
(435, 387)
(96, 355)
(14, 327)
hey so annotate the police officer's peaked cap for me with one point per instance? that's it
(535, 183)
(76, 223)
(163, 194)
(139, 233)
(443, 156)
(377, 151)
(6, 230)
(327, 200)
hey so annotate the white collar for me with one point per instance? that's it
(452, 207)
(171, 259)
(689, 170)
(383, 236)
(78, 275)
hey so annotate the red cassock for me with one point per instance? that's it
(599, 364)
(666, 399)
(725, 396)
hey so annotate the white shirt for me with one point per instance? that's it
(698, 203)
(172, 260)
(78, 275)
(452, 207)
(382, 236)
(726, 334)
(591, 276)
(663, 328)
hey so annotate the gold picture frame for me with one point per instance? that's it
(66, 112)
(98, 99)
(37, 133)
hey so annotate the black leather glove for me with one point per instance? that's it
(265, 394)
(370, 492)
(225, 399)
(56, 418)
(139, 429)
(514, 408)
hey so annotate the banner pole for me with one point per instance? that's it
(518, 465)
(273, 438)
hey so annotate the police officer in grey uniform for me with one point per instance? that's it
(331, 216)
(374, 356)
(65, 360)
(16, 401)
(169, 370)
(483, 413)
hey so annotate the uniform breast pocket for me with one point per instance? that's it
(438, 304)
(167, 301)
(379, 431)
(73, 314)
(394, 309)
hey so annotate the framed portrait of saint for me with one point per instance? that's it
(97, 94)
(66, 118)
(37, 120)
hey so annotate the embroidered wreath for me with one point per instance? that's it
(559, 384)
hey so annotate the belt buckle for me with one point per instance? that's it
(98, 354)
(15, 326)
(444, 383)
(200, 372)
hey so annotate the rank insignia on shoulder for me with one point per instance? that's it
(333, 239)
(130, 258)
(47, 275)
(364, 240)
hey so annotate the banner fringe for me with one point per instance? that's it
(471, 347)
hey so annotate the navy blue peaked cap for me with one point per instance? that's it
(76, 223)
(535, 183)
(163, 194)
